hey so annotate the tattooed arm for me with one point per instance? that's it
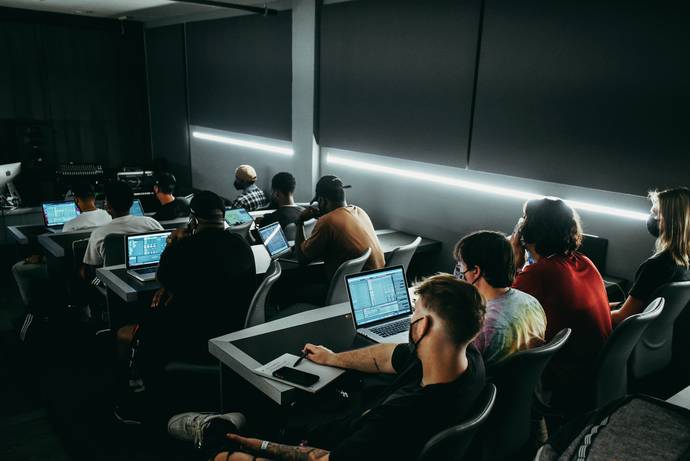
(277, 451)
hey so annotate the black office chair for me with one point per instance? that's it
(402, 255)
(654, 351)
(611, 372)
(452, 443)
(256, 315)
(290, 232)
(517, 377)
(114, 250)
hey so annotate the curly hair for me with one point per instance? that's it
(552, 226)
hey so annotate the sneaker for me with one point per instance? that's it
(199, 427)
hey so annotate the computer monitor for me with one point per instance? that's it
(237, 216)
(378, 295)
(274, 240)
(8, 172)
(136, 209)
(144, 250)
(58, 213)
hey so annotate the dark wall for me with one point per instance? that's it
(590, 93)
(397, 77)
(240, 74)
(165, 56)
(78, 84)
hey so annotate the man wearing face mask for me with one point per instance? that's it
(342, 231)
(208, 280)
(439, 377)
(252, 197)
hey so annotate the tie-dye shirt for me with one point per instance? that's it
(513, 322)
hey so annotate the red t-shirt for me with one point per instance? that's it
(573, 295)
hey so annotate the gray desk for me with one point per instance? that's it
(16, 218)
(245, 350)
(128, 288)
(681, 399)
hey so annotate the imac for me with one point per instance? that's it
(7, 174)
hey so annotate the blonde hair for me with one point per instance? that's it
(673, 207)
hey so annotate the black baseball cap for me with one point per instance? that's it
(207, 205)
(330, 187)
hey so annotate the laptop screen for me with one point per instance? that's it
(274, 239)
(136, 209)
(145, 249)
(58, 213)
(237, 216)
(378, 295)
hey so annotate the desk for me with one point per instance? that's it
(245, 350)
(26, 233)
(128, 288)
(681, 399)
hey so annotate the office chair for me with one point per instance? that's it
(507, 431)
(452, 443)
(337, 291)
(654, 351)
(402, 255)
(114, 250)
(256, 315)
(290, 232)
(188, 199)
(241, 230)
(611, 372)
(308, 227)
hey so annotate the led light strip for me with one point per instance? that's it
(242, 143)
(471, 185)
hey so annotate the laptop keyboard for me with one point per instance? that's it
(147, 270)
(392, 328)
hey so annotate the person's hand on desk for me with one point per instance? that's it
(161, 296)
(319, 354)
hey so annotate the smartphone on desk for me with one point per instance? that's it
(295, 376)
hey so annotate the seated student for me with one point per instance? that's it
(342, 231)
(569, 288)
(514, 320)
(669, 222)
(208, 279)
(118, 201)
(171, 207)
(90, 216)
(282, 190)
(440, 376)
(252, 198)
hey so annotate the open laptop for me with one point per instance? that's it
(237, 216)
(56, 214)
(380, 303)
(273, 238)
(143, 253)
(136, 208)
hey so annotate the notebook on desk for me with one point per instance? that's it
(326, 374)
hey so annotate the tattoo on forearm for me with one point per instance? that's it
(291, 453)
(376, 364)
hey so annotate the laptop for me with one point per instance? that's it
(237, 216)
(136, 208)
(273, 238)
(380, 303)
(56, 214)
(143, 253)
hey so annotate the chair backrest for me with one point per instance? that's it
(452, 443)
(188, 199)
(114, 249)
(241, 229)
(517, 378)
(78, 252)
(256, 315)
(655, 348)
(402, 255)
(308, 227)
(611, 372)
(337, 291)
(290, 232)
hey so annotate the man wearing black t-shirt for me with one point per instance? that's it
(282, 191)
(171, 207)
(439, 377)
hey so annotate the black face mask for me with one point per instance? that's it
(412, 344)
(653, 226)
(238, 185)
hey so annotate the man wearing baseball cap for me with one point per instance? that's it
(342, 231)
(252, 198)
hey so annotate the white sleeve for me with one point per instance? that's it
(94, 251)
(67, 227)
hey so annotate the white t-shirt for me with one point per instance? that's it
(123, 225)
(93, 218)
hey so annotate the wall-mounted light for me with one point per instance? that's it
(476, 186)
(243, 143)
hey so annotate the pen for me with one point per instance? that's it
(304, 354)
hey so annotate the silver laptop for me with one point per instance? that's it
(274, 240)
(136, 209)
(56, 214)
(143, 253)
(380, 303)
